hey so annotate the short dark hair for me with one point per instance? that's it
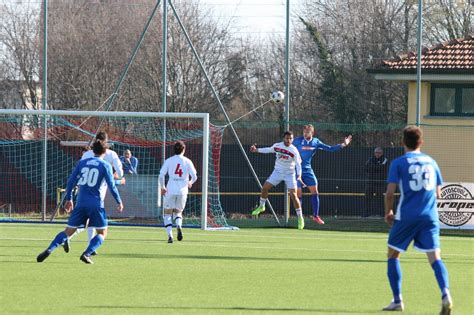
(179, 147)
(288, 133)
(412, 137)
(102, 135)
(99, 147)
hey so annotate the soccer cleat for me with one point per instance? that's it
(41, 257)
(394, 307)
(66, 245)
(446, 305)
(318, 220)
(258, 210)
(180, 234)
(170, 240)
(300, 223)
(86, 259)
(94, 253)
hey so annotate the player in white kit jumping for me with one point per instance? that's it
(287, 169)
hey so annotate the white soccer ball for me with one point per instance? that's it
(277, 96)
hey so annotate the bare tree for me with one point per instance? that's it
(19, 35)
(446, 19)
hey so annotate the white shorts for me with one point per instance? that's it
(177, 202)
(277, 177)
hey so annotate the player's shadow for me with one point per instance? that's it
(235, 308)
(243, 258)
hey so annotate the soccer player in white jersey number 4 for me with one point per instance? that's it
(287, 165)
(419, 180)
(93, 176)
(179, 169)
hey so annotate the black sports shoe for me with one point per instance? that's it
(41, 257)
(170, 240)
(86, 259)
(180, 234)
(66, 245)
(94, 253)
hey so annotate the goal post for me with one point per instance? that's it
(26, 154)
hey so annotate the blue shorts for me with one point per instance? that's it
(424, 233)
(97, 217)
(308, 178)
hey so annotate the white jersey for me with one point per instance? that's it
(111, 157)
(288, 159)
(179, 168)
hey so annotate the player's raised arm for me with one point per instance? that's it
(263, 150)
(347, 141)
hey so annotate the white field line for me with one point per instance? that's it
(316, 235)
(240, 247)
(284, 234)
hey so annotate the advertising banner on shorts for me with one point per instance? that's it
(456, 206)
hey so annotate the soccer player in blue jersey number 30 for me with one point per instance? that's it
(419, 180)
(92, 175)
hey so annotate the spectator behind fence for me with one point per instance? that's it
(129, 162)
(376, 168)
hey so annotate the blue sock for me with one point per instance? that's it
(315, 203)
(58, 240)
(441, 274)
(94, 244)
(394, 273)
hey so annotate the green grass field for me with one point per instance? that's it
(247, 271)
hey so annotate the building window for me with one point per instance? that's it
(452, 100)
(467, 103)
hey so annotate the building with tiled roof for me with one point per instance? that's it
(455, 56)
(447, 102)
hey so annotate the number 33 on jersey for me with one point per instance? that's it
(417, 176)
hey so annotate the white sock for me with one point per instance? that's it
(179, 222)
(78, 231)
(262, 202)
(299, 213)
(90, 233)
(169, 224)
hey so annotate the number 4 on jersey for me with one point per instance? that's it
(178, 170)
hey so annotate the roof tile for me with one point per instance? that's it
(456, 54)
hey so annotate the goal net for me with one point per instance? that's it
(35, 163)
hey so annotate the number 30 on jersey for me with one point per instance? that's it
(88, 177)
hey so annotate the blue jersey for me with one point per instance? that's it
(92, 176)
(307, 149)
(417, 176)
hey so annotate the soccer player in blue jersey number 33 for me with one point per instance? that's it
(419, 180)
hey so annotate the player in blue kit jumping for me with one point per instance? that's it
(93, 176)
(419, 180)
(307, 146)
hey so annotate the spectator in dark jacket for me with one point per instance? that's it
(129, 162)
(376, 168)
